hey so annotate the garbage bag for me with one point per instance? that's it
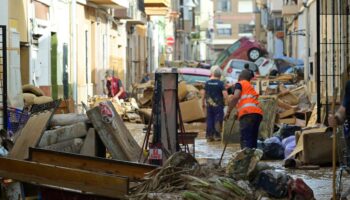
(289, 144)
(273, 139)
(273, 151)
(288, 130)
(298, 189)
(273, 183)
(288, 140)
(243, 163)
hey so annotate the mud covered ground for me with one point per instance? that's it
(319, 180)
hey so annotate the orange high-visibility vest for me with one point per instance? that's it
(248, 102)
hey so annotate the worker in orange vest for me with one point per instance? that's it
(249, 114)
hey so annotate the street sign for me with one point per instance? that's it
(170, 41)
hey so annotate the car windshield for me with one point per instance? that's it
(259, 61)
(191, 79)
(226, 53)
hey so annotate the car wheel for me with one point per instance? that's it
(254, 54)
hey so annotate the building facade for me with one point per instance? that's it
(232, 19)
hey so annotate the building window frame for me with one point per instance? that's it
(224, 30)
(224, 6)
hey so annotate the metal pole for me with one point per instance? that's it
(318, 81)
(73, 50)
(4, 75)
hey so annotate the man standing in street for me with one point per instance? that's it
(249, 113)
(214, 101)
(246, 67)
(114, 86)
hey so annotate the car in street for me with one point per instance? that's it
(193, 75)
(234, 67)
(280, 65)
(245, 48)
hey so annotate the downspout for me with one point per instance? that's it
(318, 78)
(307, 44)
(73, 50)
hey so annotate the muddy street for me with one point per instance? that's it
(319, 180)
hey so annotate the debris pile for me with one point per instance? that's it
(128, 109)
(34, 95)
(181, 176)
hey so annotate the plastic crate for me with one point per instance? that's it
(17, 118)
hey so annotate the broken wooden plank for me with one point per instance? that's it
(113, 132)
(291, 120)
(30, 134)
(69, 146)
(286, 113)
(289, 98)
(313, 119)
(269, 107)
(95, 164)
(62, 134)
(284, 105)
(89, 146)
(44, 174)
(67, 119)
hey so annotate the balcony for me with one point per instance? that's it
(157, 7)
(156, 11)
(290, 10)
(111, 3)
(157, 3)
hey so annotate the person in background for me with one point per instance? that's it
(145, 78)
(246, 67)
(114, 86)
(213, 100)
(249, 114)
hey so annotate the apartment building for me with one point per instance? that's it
(232, 20)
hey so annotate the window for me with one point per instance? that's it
(245, 6)
(224, 6)
(224, 29)
(245, 28)
(234, 47)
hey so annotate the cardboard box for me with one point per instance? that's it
(317, 147)
(192, 110)
(182, 90)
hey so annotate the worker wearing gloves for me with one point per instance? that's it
(249, 114)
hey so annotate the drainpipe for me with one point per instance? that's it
(73, 49)
(307, 43)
